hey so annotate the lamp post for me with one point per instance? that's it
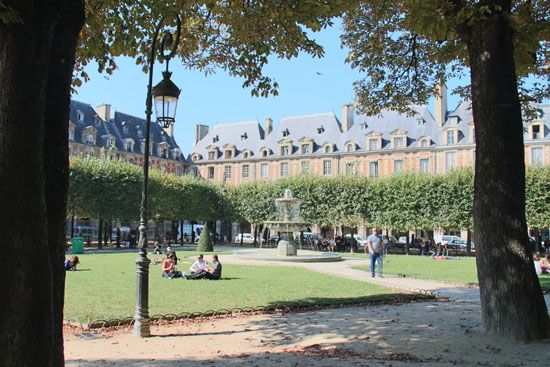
(224, 190)
(166, 95)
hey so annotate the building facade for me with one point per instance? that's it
(375, 146)
(99, 132)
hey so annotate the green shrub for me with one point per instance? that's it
(206, 242)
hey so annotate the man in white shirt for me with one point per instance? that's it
(375, 249)
(199, 265)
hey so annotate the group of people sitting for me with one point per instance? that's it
(542, 265)
(198, 270)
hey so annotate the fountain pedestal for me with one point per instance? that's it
(284, 248)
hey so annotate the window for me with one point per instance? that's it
(110, 142)
(450, 137)
(284, 169)
(328, 149)
(424, 143)
(245, 155)
(398, 166)
(210, 173)
(285, 150)
(163, 152)
(245, 171)
(537, 156)
(264, 170)
(228, 154)
(264, 153)
(398, 143)
(227, 172)
(373, 144)
(244, 136)
(79, 116)
(536, 132)
(327, 167)
(350, 147)
(305, 167)
(89, 138)
(425, 165)
(351, 169)
(305, 149)
(450, 161)
(286, 132)
(176, 153)
(212, 155)
(125, 129)
(195, 171)
(128, 145)
(71, 133)
(373, 169)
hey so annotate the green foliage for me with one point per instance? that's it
(214, 34)
(406, 47)
(103, 188)
(537, 197)
(8, 14)
(206, 242)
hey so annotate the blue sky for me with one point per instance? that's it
(306, 86)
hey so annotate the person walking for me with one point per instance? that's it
(375, 249)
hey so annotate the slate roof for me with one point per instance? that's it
(122, 126)
(326, 128)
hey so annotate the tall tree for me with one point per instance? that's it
(406, 47)
(37, 57)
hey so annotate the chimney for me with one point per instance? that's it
(104, 112)
(170, 130)
(268, 127)
(347, 117)
(200, 132)
(440, 104)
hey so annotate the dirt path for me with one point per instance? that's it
(435, 333)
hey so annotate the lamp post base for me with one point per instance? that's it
(141, 323)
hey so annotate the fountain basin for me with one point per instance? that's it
(301, 256)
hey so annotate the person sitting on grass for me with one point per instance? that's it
(70, 264)
(157, 248)
(545, 264)
(170, 251)
(214, 274)
(169, 268)
(199, 265)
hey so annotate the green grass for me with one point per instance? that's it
(104, 287)
(461, 271)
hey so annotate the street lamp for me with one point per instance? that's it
(166, 95)
(224, 191)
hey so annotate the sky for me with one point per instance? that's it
(306, 86)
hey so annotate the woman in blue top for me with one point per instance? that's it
(70, 264)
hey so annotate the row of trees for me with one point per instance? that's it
(109, 189)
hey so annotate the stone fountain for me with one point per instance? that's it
(288, 223)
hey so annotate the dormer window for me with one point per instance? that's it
(228, 154)
(143, 148)
(350, 147)
(79, 116)
(286, 132)
(71, 131)
(110, 141)
(244, 136)
(129, 145)
(89, 135)
(97, 121)
(450, 136)
(420, 121)
(320, 130)
(215, 139)
(265, 152)
(176, 153)
(373, 144)
(163, 137)
(212, 155)
(363, 126)
(285, 150)
(139, 132)
(328, 148)
(453, 120)
(398, 142)
(125, 129)
(229, 151)
(536, 131)
(245, 155)
(163, 150)
(305, 149)
(424, 143)
(195, 157)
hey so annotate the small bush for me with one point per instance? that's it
(206, 243)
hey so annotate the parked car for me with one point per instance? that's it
(445, 239)
(461, 245)
(246, 238)
(402, 239)
(361, 241)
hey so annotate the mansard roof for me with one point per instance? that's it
(115, 127)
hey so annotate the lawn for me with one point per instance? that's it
(104, 287)
(461, 271)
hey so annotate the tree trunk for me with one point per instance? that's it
(181, 232)
(100, 234)
(512, 304)
(36, 61)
